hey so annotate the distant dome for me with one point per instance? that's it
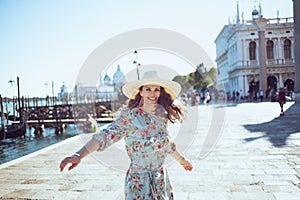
(106, 80)
(63, 88)
(118, 78)
(118, 75)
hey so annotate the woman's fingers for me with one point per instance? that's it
(72, 166)
(72, 160)
(188, 166)
(63, 163)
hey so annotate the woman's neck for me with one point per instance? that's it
(148, 108)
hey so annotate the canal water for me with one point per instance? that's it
(13, 148)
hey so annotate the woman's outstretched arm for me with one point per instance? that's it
(100, 141)
(75, 159)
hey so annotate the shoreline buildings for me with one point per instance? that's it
(107, 89)
(256, 55)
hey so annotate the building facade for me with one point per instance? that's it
(107, 90)
(238, 55)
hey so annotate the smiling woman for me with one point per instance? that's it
(143, 125)
(150, 95)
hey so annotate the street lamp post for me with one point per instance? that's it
(137, 69)
(137, 64)
(19, 99)
(53, 97)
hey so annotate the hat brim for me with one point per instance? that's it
(131, 89)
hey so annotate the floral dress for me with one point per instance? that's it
(147, 144)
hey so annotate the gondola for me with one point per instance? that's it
(13, 131)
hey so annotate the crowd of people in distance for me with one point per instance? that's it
(196, 98)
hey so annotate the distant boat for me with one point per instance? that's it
(12, 131)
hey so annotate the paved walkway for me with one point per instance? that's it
(257, 156)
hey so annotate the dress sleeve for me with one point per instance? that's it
(171, 147)
(115, 131)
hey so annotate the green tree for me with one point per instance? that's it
(199, 79)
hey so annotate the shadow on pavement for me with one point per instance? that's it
(279, 129)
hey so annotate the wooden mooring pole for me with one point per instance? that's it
(2, 118)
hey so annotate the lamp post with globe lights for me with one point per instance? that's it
(135, 62)
(19, 99)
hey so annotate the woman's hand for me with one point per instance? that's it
(185, 164)
(74, 160)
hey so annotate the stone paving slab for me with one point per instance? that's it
(254, 158)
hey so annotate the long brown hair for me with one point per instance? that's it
(174, 112)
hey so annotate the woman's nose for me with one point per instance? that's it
(152, 93)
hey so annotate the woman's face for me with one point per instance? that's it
(150, 94)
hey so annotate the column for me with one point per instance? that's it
(261, 26)
(297, 44)
(243, 52)
(245, 84)
(280, 82)
(279, 48)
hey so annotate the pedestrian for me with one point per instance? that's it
(233, 96)
(237, 96)
(143, 125)
(292, 95)
(281, 99)
(197, 99)
(255, 96)
(202, 97)
(241, 94)
(268, 92)
(261, 95)
(207, 98)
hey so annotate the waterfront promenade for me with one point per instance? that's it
(256, 157)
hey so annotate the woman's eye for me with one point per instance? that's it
(155, 90)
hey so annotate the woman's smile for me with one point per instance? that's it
(150, 94)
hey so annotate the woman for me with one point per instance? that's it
(143, 125)
(281, 99)
(207, 98)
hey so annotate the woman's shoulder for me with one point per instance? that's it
(128, 111)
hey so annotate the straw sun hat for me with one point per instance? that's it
(130, 89)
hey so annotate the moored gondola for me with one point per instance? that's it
(13, 131)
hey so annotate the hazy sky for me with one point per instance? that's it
(45, 41)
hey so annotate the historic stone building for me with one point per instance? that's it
(239, 57)
(107, 90)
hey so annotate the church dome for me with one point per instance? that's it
(118, 75)
(106, 80)
(118, 78)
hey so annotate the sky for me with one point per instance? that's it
(46, 42)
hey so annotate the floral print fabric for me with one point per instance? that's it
(147, 144)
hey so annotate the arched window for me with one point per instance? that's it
(287, 49)
(252, 50)
(270, 49)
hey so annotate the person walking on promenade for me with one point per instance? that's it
(207, 98)
(281, 99)
(261, 95)
(143, 125)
